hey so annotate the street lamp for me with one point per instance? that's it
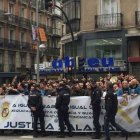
(51, 3)
(42, 49)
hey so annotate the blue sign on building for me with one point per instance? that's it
(91, 62)
(92, 65)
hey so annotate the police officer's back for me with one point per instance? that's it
(111, 107)
(62, 102)
(96, 95)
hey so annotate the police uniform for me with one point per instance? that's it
(35, 100)
(111, 107)
(96, 95)
(62, 102)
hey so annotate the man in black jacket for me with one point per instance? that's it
(111, 107)
(36, 106)
(62, 102)
(96, 95)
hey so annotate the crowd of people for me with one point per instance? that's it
(108, 87)
(122, 85)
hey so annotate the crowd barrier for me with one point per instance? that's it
(15, 114)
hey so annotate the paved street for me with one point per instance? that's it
(83, 137)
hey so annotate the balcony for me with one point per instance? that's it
(57, 32)
(1, 67)
(11, 67)
(108, 21)
(14, 1)
(11, 44)
(25, 46)
(48, 30)
(33, 3)
(12, 19)
(24, 2)
(53, 51)
(2, 16)
(24, 23)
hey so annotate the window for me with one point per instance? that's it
(48, 22)
(11, 61)
(111, 47)
(109, 15)
(32, 16)
(138, 8)
(11, 8)
(23, 59)
(110, 6)
(1, 4)
(40, 18)
(22, 36)
(74, 7)
(56, 11)
(1, 32)
(78, 9)
(1, 62)
(11, 35)
(57, 27)
(1, 58)
(22, 12)
(73, 16)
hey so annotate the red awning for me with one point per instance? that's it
(133, 59)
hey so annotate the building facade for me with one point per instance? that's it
(104, 28)
(17, 49)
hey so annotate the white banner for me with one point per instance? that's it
(15, 114)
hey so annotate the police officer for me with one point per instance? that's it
(96, 95)
(62, 102)
(111, 107)
(36, 106)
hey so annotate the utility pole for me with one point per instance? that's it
(37, 43)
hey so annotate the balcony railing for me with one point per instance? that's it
(137, 18)
(24, 1)
(25, 46)
(11, 44)
(12, 1)
(57, 31)
(15, 45)
(108, 21)
(48, 30)
(23, 22)
(1, 67)
(12, 19)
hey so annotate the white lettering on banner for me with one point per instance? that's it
(15, 114)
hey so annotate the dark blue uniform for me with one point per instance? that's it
(62, 102)
(111, 107)
(35, 100)
(96, 95)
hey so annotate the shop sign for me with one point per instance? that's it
(91, 62)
